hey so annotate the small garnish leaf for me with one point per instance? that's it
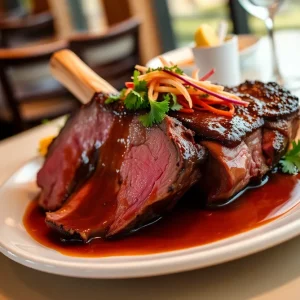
(135, 100)
(290, 163)
(157, 113)
(175, 105)
(174, 69)
(288, 167)
(112, 98)
(139, 86)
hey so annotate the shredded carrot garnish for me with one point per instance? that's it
(221, 112)
(187, 110)
(195, 74)
(192, 93)
(208, 75)
(153, 96)
(182, 103)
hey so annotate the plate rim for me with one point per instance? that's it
(158, 263)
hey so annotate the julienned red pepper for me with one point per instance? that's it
(129, 85)
(187, 110)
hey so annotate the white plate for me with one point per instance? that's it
(16, 244)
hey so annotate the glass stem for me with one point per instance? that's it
(276, 72)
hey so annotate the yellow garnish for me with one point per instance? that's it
(206, 36)
(44, 144)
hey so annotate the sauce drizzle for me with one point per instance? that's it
(185, 227)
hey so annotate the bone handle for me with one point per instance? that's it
(77, 77)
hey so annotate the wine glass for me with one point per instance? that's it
(266, 10)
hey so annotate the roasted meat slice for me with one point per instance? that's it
(279, 108)
(254, 139)
(229, 170)
(277, 101)
(226, 131)
(140, 174)
(71, 156)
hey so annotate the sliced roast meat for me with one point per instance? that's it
(280, 112)
(229, 170)
(245, 147)
(278, 102)
(69, 161)
(141, 173)
(226, 131)
(274, 146)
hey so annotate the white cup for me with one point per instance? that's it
(223, 58)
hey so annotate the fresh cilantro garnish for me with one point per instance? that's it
(174, 69)
(136, 100)
(157, 113)
(139, 86)
(290, 163)
(175, 105)
(112, 98)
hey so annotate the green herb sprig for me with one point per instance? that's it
(137, 99)
(290, 163)
(174, 69)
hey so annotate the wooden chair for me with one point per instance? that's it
(18, 31)
(36, 95)
(112, 55)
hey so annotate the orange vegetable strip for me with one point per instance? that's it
(151, 96)
(155, 93)
(182, 103)
(169, 89)
(180, 87)
(209, 99)
(166, 89)
(164, 61)
(141, 68)
(238, 102)
(195, 74)
(209, 74)
(215, 110)
(187, 110)
(205, 84)
(161, 74)
(128, 91)
(154, 74)
(232, 96)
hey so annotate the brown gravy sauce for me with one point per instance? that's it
(185, 227)
(99, 193)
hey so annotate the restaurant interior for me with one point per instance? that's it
(144, 138)
(111, 36)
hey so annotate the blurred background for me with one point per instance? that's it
(111, 36)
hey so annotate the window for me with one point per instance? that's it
(288, 17)
(187, 15)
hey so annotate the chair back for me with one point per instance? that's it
(112, 55)
(17, 31)
(14, 95)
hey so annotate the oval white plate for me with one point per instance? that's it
(16, 244)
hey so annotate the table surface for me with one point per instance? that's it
(271, 274)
